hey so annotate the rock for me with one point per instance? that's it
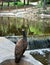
(12, 62)
(6, 49)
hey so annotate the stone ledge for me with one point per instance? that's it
(7, 54)
(12, 62)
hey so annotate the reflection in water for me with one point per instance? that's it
(13, 26)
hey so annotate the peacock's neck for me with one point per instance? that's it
(24, 34)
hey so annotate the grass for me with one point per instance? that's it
(19, 3)
(35, 30)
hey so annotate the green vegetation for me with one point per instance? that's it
(12, 3)
(19, 3)
(41, 4)
(47, 1)
(13, 26)
(35, 30)
(8, 3)
(8, 27)
(34, 0)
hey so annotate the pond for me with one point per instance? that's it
(14, 25)
(43, 58)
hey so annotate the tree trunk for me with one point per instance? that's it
(44, 5)
(8, 3)
(2, 5)
(27, 2)
(15, 2)
(24, 2)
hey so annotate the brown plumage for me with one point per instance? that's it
(20, 47)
